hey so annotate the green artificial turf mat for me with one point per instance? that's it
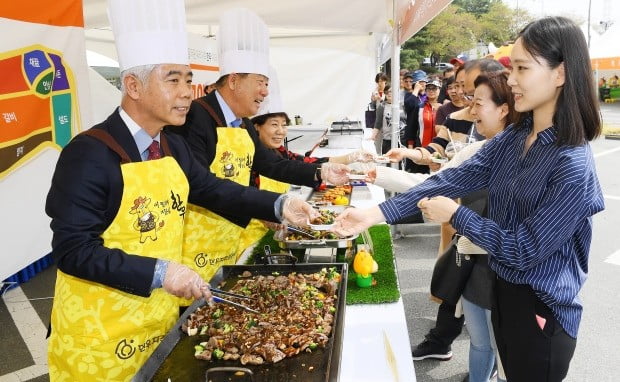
(386, 288)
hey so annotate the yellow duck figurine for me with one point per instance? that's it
(364, 264)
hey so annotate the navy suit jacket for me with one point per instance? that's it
(85, 196)
(200, 132)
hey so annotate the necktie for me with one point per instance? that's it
(154, 152)
(236, 122)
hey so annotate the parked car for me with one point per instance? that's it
(444, 66)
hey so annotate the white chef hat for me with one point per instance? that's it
(243, 43)
(148, 32)
(273, 102)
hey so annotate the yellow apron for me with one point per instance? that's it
(256, 229)
(101, 333)
(210, 240)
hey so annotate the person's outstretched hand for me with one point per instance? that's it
(297, 212)
(438, 209)
(397, 154)
(335, 173)
(352, 221)
(371, 175)
(182, 281)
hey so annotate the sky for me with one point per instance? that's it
(602, 10)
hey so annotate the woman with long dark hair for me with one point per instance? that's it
(543, 192)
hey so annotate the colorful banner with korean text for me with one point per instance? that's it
(44, 102)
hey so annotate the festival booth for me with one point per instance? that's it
(326, 54)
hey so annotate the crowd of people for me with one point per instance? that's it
(527, 192)
(146, 205)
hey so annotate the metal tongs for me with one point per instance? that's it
(232, 303)
(301, 231)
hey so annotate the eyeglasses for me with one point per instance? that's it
(431, 89)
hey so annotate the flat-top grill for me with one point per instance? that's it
(174, 357)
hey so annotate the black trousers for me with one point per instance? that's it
(447, 327)
(529, 353)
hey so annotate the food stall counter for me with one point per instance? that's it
(376, 343)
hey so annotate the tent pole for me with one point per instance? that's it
(395, 80)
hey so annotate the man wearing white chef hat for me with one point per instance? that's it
(118, 201)
(223, 139)
(271, 124)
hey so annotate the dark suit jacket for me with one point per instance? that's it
(200, 131)
(86, 193)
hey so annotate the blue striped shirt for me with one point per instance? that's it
(540, 207)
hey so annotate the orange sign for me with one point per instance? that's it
(609, 63)
(62, 13)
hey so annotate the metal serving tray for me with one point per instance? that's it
(309, 243)
(346, 242)
(174, 357)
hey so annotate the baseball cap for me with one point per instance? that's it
(456, 60)
(419, 75)
(505, 61)
(433, 82)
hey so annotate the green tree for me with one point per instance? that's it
(448, 34)
(460, 26)
(496, 24)
(475, 7)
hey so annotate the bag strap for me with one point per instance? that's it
(109, 141)
(210, 110)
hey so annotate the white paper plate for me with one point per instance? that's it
(320, 227)
(357, 176)
(439, 160)
(382, 160)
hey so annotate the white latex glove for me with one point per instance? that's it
(181, 281)
(297, 212)
(360, 156)
(273, 226)
(354, 220)
(334, 173)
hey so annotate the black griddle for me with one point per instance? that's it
(174, 357)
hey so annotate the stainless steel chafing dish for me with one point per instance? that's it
(346, 242)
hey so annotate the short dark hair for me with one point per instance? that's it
(448, 81)
(381, 76)
(261, 119)
(501, 92)
(558, 40)
(485, 65)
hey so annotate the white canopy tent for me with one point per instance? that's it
(326, 52)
